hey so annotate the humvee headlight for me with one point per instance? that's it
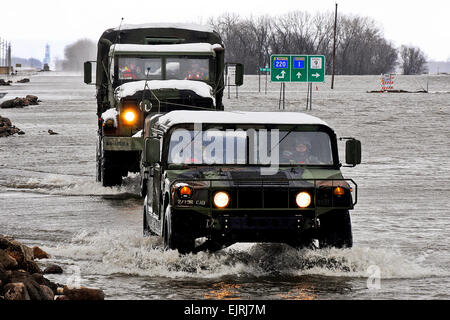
(303, 199)
(221, 199)
(130, 116)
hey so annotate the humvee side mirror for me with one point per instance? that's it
(152, 151)
(239, 74)
(87, 72)
(353, 152)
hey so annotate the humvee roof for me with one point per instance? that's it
(238, 117)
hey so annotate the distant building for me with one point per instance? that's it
(47, 55)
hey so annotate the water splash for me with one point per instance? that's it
(67, 185)
(127, 252)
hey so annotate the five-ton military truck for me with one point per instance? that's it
(227, 177)
(143, 69)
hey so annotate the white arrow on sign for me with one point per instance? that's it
(282, 75)
(316, 75)
(299, 75)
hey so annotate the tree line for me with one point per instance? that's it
(361, 48)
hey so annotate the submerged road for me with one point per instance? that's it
(49, 198)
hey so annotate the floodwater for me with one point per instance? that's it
(49, 198)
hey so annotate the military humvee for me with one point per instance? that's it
(217, 178)
(144, 69)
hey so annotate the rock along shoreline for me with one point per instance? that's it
(7, 128)
(21, 278)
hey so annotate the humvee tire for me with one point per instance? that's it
(336, 230)
(174, 238)
(146, 228)
(111, 174)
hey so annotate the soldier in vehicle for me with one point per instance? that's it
(132, 71)
(197, 72)
(300, 153)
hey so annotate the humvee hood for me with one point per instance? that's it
(239, 175)
(130, 88)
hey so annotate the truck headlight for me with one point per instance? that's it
(303, 199)
(221, 199)
(130, 116)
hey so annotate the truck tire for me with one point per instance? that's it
(143, 187)
(174, 238)
(143, 181)
(336, 230)
(111, 174)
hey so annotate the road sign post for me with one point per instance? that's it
(266, 70)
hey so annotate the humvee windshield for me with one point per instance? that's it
(177, 68)
(282, 147)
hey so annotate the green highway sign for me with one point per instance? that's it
(280, 66)
(316, 70)
(297, 68)
(264, 69)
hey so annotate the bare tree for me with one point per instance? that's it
(413, 60)
(361, 47)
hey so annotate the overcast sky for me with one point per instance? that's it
(30, 24)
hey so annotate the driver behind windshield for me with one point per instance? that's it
(299, 153)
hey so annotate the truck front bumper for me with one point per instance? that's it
(123, 143)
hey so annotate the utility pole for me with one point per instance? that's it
(9, 59)
(334, 46)
(1, 52)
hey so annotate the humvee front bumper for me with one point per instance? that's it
(123, 143)
(261, 210)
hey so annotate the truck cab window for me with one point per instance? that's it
(132, 68)
(188, 68)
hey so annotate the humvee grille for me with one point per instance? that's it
(256, 179)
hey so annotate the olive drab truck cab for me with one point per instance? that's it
(226, 177)
(147, 69)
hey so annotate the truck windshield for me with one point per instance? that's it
(132, 68)
(258, 147)
(187, 68)
(177, 68)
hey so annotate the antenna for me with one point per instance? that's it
(146, 105)
(114, 44)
